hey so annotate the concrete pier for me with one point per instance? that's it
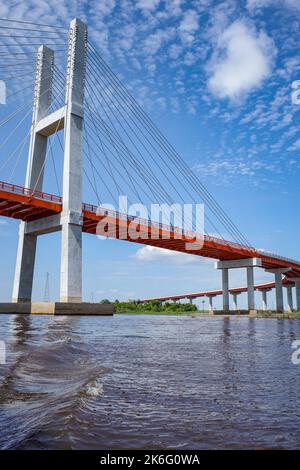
(250, 287)
(235, 302)
(289, 292)
(210, 302)
(264, 293)
(225, 288)
(249, 264)
(57, 308)
(296, 280)
(279, 287)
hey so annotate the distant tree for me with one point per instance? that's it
(105, 301)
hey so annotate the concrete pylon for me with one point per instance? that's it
(23, 280)
(249, 264)
(210, 301)
(234, 298)
(279, 286)
(225, 289)
(250, 288)
(289, 292)
(71, 218)
(264, 293)
(296, 280)
(44, 124)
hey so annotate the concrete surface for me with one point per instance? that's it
(56, 308)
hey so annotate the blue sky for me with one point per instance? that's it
(216, 77)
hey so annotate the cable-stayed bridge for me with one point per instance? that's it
(86, 122)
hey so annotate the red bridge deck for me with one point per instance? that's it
(25, 204)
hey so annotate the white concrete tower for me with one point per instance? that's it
(45, 124)
(22, 288)
(71, 219)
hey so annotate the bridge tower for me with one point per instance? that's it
(69, 118)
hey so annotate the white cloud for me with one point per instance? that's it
(242, 60)
(147, 5)
(239, 169)
(154, 41)
(154, 254)
(188, 26)
(295, 146)
(103, 8)
(256, 4)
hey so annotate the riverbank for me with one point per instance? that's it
(178, 309)
(266, 315)
(164, 313)
(152, 308)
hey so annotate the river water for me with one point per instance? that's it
(150, 382)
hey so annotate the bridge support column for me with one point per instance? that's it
(250, 287)
(71, 246)
(264, 293)
(23, 280)
(234, 297)
(210, 302)
(289, 292)
(248, 263)
(279, 287)
(191, 301)
(225, 288)
(296, 280)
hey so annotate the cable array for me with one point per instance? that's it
(132, 144)
(124, 151)
(19, 44)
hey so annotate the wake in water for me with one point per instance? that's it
(51, 375)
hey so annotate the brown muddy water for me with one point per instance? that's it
(149, 382)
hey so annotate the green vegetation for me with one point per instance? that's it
(154, 307)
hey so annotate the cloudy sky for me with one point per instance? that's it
(216, 77)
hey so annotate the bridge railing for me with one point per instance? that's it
(148, 222)
(14, 188)
(170, 228)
